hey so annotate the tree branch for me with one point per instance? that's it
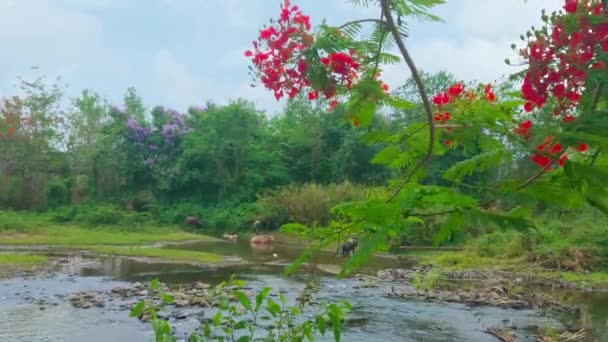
(390, 21)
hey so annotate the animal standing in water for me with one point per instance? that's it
(193, 221)
(230, 236)
(348, 247)
(260, 239)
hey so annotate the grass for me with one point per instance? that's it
(467, 260)
(21, 259)
(23, 228)
(162, 253)
(76, 236)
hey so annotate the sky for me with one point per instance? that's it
(178, 53)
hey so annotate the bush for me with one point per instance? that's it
(58, 192)
(228, 216)
(500, 243)
(308, 204)
(143, 201)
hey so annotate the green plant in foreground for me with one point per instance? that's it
(428, 281)
(241, 319)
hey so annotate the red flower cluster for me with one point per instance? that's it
(559, 62)
(342, 71)
(274, 50)
(454, 93)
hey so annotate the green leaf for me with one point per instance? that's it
(272, 307)
(217, 319)
(321, 325)
(259, 298)
(154, 284)
(240, 325)
(335, 313)
(243, 339)
(138, 309)
(242, 297)
(476, 164)
(401, 103)
(167, 298)
(455, 222)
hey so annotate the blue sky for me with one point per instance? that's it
(178, 53)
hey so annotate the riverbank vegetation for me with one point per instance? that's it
(512, 172)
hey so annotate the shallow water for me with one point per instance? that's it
(375, 317)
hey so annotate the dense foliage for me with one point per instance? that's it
(493, 181)
(434, 161)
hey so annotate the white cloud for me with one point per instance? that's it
(474, 41)
(173, 82)
(38, 33)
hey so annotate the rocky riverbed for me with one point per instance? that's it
(93, 295)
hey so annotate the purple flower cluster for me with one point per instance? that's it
(138, 133)
(175, 127)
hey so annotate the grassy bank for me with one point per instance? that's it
(9, 259)
(160, 253)
(17, 228)
(11, 264)
(469, 260)
(77, 236)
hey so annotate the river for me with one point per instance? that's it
(32, 308)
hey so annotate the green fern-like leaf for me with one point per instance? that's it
(455, 222)
(476, 164)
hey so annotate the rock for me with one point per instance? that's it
(137, 285)
(494, 296)
(181, 303)
(179, 315)
(120, 290)
(142, 293)
(42, 308)
(202, 286)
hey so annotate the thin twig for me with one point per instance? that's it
(537, 175)
(386, 9)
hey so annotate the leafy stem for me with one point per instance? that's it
(392, 26)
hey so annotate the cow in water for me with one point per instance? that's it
(260, 239)
(348, 247)
(192, 221)
(230, 236)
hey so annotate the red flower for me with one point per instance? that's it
(582, 147)
(528, 106)
(447, 142)
(385, 87)
(573, 96)
(571, 6)
(562, 160)
(490, 96)
(542, 161)
(555, 148)
(438, 117)
(599, 65)
(568, 118)
(559, 90)
(456, 89)
(356, 122)
(333, 104)
(248, 53)
(325, 60)
(313, 95)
